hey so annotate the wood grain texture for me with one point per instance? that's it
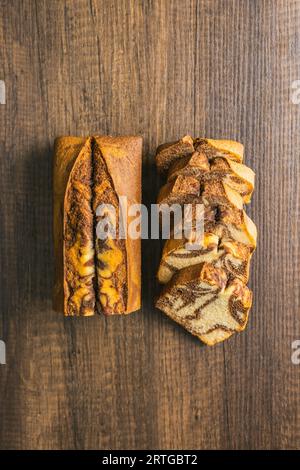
(161, 68)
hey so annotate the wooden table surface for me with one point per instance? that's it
(160, 68)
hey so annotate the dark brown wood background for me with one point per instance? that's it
(160, 68)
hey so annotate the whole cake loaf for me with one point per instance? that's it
(95, 273)
(205, 287)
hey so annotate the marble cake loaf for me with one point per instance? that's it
(205, 288)
(91, 273)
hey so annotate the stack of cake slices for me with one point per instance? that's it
(205, 288)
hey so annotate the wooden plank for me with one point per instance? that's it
(160, 68)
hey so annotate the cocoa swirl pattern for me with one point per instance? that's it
(78, 238)
(237, 299)
(111, 260)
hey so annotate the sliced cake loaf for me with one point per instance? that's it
(233, 256)
(203, 301)
(208, 172)
(220, 148)
(236, 175)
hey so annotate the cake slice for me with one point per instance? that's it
(168, 153)
(232, 256)
(177, 255)
(188, 189)
(234, 224)
(237, 176)
(201, 300)
(220, 148)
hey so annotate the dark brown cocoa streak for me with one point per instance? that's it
(97, 262)
(190, 254)
(217, 212)
(90, 262)
(188, 325)
(94, 261)
(214, 174)
(198, 289)
(234, 307)
(187, 301)
(219, 327)
(219, 164)
(76, 221)
(108, 197)
(235, 179)
(193, 295)
(69, 236)
(198, 311)
(202, 187)
(239, 270)
(211, 153)
(198, 144)
(223, 255)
